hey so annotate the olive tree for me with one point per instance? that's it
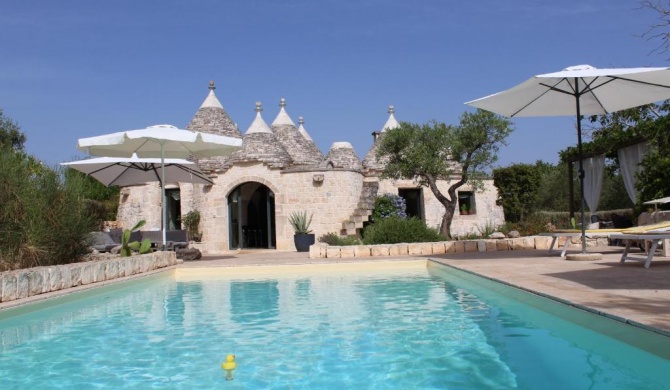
(435, 152)
(10, 134)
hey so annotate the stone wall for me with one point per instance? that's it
(332, 195)
(321, 251)
(487, 212)
(29, 282)
(330, 199)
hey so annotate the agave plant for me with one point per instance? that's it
(127, 247)
(300, 222)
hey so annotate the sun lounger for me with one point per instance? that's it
(609, 233)
(570, 233)
(653, 238)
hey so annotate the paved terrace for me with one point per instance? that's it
(626, 290)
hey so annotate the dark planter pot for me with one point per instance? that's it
(303, 241)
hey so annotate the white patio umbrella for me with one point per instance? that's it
(160, 141)
(580, 90)
(122, 171)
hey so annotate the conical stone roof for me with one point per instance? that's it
(295, 144)
(343, 155)
(311, 145)
(212, 118)
(260, 144)
(370, 162)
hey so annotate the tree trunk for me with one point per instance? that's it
(449, 204)
(445, 227)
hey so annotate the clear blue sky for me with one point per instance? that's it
(72, 69)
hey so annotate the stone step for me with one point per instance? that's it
(365, 206)
(362, 213)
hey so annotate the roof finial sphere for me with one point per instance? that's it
(282, 102)
(211, 86)
(391, 109)
(301, 120)
(258, 107)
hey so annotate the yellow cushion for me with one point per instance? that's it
(646, 228)
(590, 231)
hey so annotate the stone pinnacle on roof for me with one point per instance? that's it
(260, 144)
(258, 125)
(212, 118)
(301, 129)
(370, 162)
(313, 149)
(391, 123)
(295, 144)
(282, 118)
(342, 155)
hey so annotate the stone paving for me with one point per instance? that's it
(627, 290)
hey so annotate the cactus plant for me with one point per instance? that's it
(127, 247)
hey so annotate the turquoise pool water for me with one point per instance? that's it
(413, 328)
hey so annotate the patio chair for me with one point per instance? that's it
(102, 241)
(179, 238)
(621, 222)
(602, 224)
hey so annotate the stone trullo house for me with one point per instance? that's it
(280, 170)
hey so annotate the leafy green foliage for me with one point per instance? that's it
(395, 230)
(42, 218)
(388, 205)
(518, 187)
(10, 134)
(191, 222)
(653, 176)
(103, 201)
(434, 151)
(543, 221)
(553, 193)
(627, 127)
(300, 222)
(335, 240)
(128, 247)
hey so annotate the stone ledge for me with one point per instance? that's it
(324, 251)
(28, 282)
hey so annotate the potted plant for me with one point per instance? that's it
(191, 222)
(464, 210)
(303, 236)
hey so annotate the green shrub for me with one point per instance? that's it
(389, 205)
(395, 230)
(191, 222)
(335, 240)
(43, 219)
(540, 221)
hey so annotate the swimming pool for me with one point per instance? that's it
(383, 325)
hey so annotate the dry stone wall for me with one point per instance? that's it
(24, 283)
(325, 251)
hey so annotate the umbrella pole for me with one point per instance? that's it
(581, 165)
(163, 201)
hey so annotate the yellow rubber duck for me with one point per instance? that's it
(229, 366)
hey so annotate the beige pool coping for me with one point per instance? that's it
(626, 291)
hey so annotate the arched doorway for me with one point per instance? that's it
(251, 221)
(173, 205)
